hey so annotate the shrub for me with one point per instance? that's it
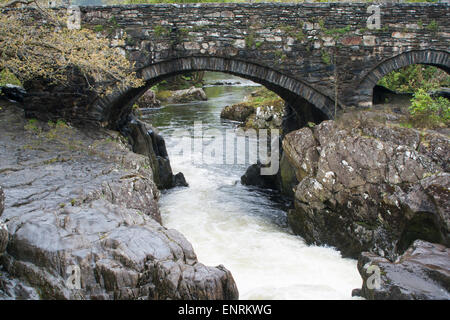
(428, 112)
(7, 77)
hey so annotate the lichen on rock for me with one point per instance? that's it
(369, 186)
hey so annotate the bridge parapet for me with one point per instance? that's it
(321, 52)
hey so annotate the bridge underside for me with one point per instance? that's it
(362, 97)
(117, 106)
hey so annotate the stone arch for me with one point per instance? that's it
(437, 58)
(118, 105)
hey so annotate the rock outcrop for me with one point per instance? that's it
(71, 101)
(237, 112)
(83, 220)
(145, 140)
(367, 186)
(262, 109)
(421, 273)
(184, 96)
(253, 177)
(148, 100)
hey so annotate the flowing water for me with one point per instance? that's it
(243, 228)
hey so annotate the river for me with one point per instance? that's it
(241, 227)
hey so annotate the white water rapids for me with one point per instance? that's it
(241, 227)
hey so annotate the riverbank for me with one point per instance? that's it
(243, 227)
(262, 109)
(80, 199)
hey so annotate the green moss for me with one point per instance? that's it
(337, 32)
(161, 31)
(278, 54)
(250, 40)
(258, 44)
(7, 77)
(326, 58)
(300, 36)
(99, 28)
(433, 26)
(163, 95)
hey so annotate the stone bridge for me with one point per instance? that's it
(326, 55)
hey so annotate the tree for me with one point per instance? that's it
(36, 44)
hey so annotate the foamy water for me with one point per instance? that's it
(241, 227)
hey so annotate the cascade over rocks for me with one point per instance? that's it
(79, 198)
(421, 273)
(367, 186)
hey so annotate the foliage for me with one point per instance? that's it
(161, 31)
(433, 26)
(7, 76)
(326, 57)
(336, 33)
(47, 50)
(178, 82)
(413, 77)
(428, 112)
(263, 96)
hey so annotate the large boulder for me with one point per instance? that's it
(148, 100)
(83, 220)
(185, 95)
(369, 186)
(253, 177)
(237, 112)
(421, 273)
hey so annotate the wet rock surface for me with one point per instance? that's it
(253, 177)
(79, 205)
(146, 140)
(422, 272)
(368, 186)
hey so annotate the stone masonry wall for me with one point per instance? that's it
(309, 44)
